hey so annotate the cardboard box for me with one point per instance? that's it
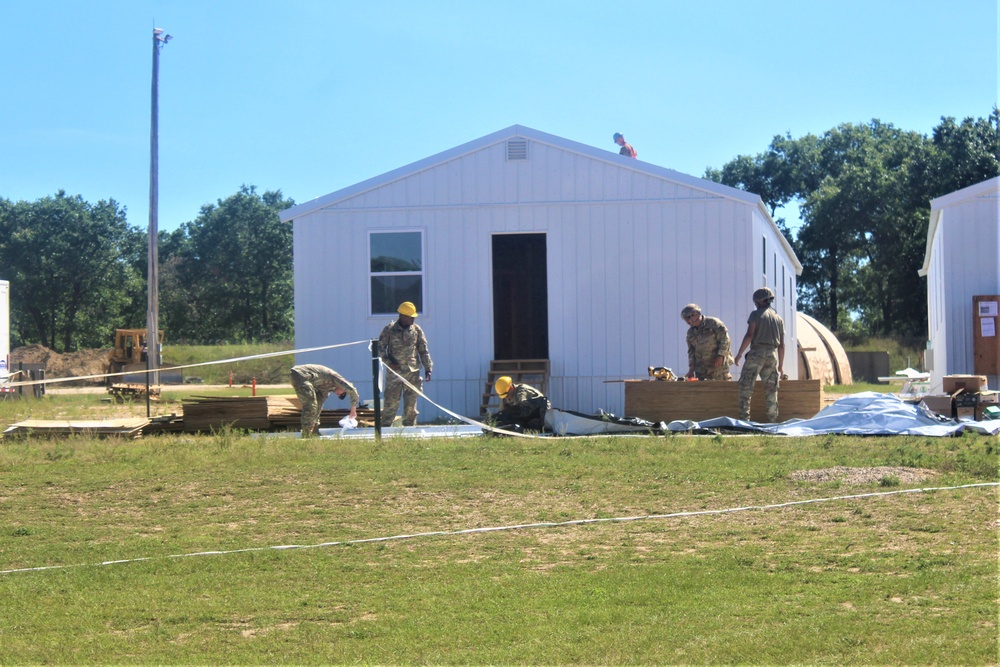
(965, 414)
(942, 405)
(969, 383)
(989, 406)
(966, 400)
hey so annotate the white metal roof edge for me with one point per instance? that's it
(514, 131)
(969, 192)
(950, 199)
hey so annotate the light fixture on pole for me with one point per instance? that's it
(153, 278)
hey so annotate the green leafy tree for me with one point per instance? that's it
(71, 265)
(859, 222)
(227, 276)
(864, 192)
(965, 153)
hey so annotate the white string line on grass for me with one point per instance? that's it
(523, 526)
(263, 355)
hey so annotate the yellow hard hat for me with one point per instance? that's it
(407, 308)
(502, 386)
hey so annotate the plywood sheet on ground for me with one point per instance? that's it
(127, 428)
(658, 401)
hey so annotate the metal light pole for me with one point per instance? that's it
(153, 275)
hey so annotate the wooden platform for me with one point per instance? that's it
(657, 400)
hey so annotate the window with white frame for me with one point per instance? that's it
(396, 270)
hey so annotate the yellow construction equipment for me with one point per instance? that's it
(130, 352)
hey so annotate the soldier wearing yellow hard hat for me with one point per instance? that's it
(521, 407)
(402, 346)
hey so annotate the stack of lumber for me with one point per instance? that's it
(125, 428)
(257, 413)
(211, 413)
(667, 401)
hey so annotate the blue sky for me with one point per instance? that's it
(310, 96)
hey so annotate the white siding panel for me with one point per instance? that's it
(969, 239)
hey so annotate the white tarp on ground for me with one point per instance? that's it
(866, 413)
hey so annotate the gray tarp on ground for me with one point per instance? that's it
(866, 413)
(567, 422)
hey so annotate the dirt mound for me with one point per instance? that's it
(71, 364)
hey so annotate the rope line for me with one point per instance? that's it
(523, 526)
(264, 355)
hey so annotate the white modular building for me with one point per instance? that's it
(962, 262)
(524, 245)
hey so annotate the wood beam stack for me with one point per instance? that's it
(257, 413)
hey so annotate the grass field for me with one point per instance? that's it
(888, 579)
(269, 370)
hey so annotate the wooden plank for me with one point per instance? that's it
(129, 428)
(656, 400)
(208, 413)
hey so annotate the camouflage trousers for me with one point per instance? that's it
(394, 387)
(312, 400)
(763, 362)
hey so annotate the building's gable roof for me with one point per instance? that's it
(976, 191)
(520, 132)
(710, 188)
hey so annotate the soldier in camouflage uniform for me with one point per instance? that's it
(766, 339)
(313, 384)
(521, 405)
(402, 346)
(709, 357)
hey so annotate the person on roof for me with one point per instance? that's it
(626, 148)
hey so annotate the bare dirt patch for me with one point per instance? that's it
(71, 364)
(864, 476)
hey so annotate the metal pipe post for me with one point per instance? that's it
(375, 392)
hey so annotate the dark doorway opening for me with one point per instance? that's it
(520, 297)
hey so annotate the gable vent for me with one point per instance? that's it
(517, 149)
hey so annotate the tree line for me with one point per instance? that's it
(78, 269)
(864, 194)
